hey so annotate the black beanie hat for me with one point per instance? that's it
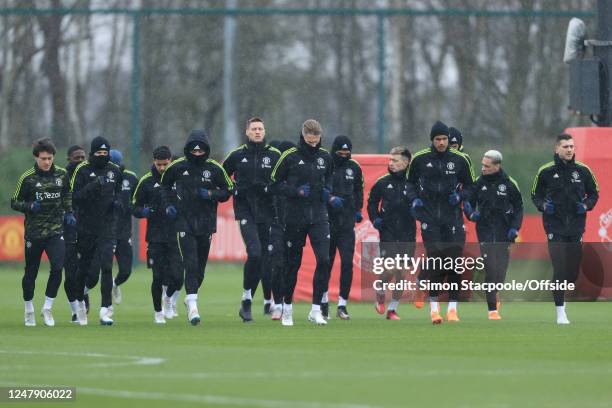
(341, 142)
(437, 129)
(455, 136)
(99, 143)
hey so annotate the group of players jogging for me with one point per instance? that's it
(81, 216)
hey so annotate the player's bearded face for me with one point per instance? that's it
(440, 142)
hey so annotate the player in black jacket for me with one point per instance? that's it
(276, 250)
(251, 165)
(201, 183)
(441, 176)
(43, 195)
(496, 206)
(76, 155)
(162, 250)
(303, 176)
(96, 192)
(389, 212)
(347, 184)
(123, 244)
(564, 190)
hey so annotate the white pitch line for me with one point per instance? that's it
(135, 360)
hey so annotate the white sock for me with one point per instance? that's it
(433, 304)
(452, 305)
(165, 290)
(288, 307)
(175, 296)
(103, 311)
(192, 300)
(341, 301)
(325, 298)
(246, 294)
(48, 303)
(560, 310)
(267, 301)
(74, 306)
(316, 308)
(82, 305)
(393, 304)
(86, 290)
(29, 306)
(114, 284)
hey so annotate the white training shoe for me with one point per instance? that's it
(47, 317)
(315, 316)
(82, 315)
(30, 320)
(277, 312)
(562, 319)
(287, 317)
(192, 314)
(117, 298)
(110, 311)
(159, 318)
(167, 307)
(105, 319)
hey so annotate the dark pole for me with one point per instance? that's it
(604, 33)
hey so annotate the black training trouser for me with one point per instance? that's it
(55, 248)
(96, 256)
(256, 237)
(278, 261)
(443, 241)
(124, 256)
(71, 267)
(496, 256)
(194, 251)
(295, 235)
(566, 255)
(164, 260)
(344, 241)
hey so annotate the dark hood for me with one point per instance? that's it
(455, 137)
(197, 138)
(341, 142)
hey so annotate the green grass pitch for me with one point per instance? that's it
(525, 360)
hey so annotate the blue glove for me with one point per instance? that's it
(358, 216)
(475, 216)
(417, 202)
(171, 211)
(336, 202)
(69, 219)
(204, 193)
(580, 209)
(378, 223)
(146, 211)
(454, 198)
(549, 207)
(512, 234)
(304, 190)
(35, 207)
